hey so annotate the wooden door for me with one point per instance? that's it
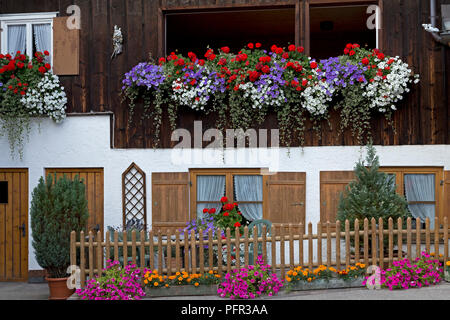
(332, 184)
(285, 198)
(14, 225)
(93, 180)
(170, 201)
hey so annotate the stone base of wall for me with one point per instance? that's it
(36, 276)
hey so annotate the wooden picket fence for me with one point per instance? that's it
(283, 248)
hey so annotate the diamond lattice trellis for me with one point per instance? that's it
(134, 198)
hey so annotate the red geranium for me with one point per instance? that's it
(314, 65)
(46, 53)
(365, 61)
(265, 69)
(212, 211)
(225, 49)
(258, 45)
(237, 224)
(42, 70)
(250, 45)
(205, 210)
(224, 199)
(226, 214)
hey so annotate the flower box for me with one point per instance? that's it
(327, 284)
(178, 291)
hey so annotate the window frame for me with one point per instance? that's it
(438, 172)
(28, 19)
(229, 185)
(302, 18)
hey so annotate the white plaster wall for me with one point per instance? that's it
(85, 142)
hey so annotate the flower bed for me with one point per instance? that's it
(322, 277)
(181, 284)
(405, 274)
(241, 88)
(250, 282)
(447, 271)
(116, 284)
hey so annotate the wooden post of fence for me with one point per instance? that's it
(399, 239)
(408, 238)
(338, 245)
(310, 246)
(264, 243)
(201, 257)
(374, 241)
(356, 228)
(133, 246)
(228, 235)
(108, 245)
(116, 246)
(142, 251)
(418, 237)
(73, 254)
(282, 251)
(187, 267)
(82, 259)
(436, 236)
(91, 255)
(160, 253)
(99, 254)
(427, 235)
(125, 248)
(177, 251)
(151, 250)
(210, 250)
(300, 245)
(291, 247)
(366, 242)
(274, 250)
(446, 257)
(219, 251)
(319, 243)
(238, 248)
(381, 241)
(255, 245)
(347, 243)
(169, 252)
(328, 245)
(390, 240)
(193, 253)
(246, 246)
(73, 248)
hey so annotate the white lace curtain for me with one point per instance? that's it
(211, 189)
(421, 187)
(249, 188)
(42, 37)
(17, 39)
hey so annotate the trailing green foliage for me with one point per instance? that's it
(58, 207)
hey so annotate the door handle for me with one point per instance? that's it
(23, 229)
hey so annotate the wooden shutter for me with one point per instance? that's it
(93, 180)
(66, 46)
(170, 201)
(284, 199)
(446, 197)
(332, 184)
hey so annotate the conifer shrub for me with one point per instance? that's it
(58, 207)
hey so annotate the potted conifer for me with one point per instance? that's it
(58, 207)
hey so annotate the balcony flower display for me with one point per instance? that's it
(28, 89)
(242, 87)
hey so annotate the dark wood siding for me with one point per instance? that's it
(423, 118)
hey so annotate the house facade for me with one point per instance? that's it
(130, 179)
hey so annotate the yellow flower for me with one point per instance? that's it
(448, 263)
(309, 279)
(288, 279)
(362, 265)
(189, 280)
(167, 286)
(155, 271)
(294, 274)
(145, 281)
(180, 279)
(196, 284)
(156, 284)
(177, 274)
(211, 272)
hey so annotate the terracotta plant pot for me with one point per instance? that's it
(58, 289)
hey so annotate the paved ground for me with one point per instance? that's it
(25, 291)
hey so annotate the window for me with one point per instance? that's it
(244, 187)
(134, 198)
(332, 27)
(3, 192)
(195, 31)
(27, 33)
(421, 188)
